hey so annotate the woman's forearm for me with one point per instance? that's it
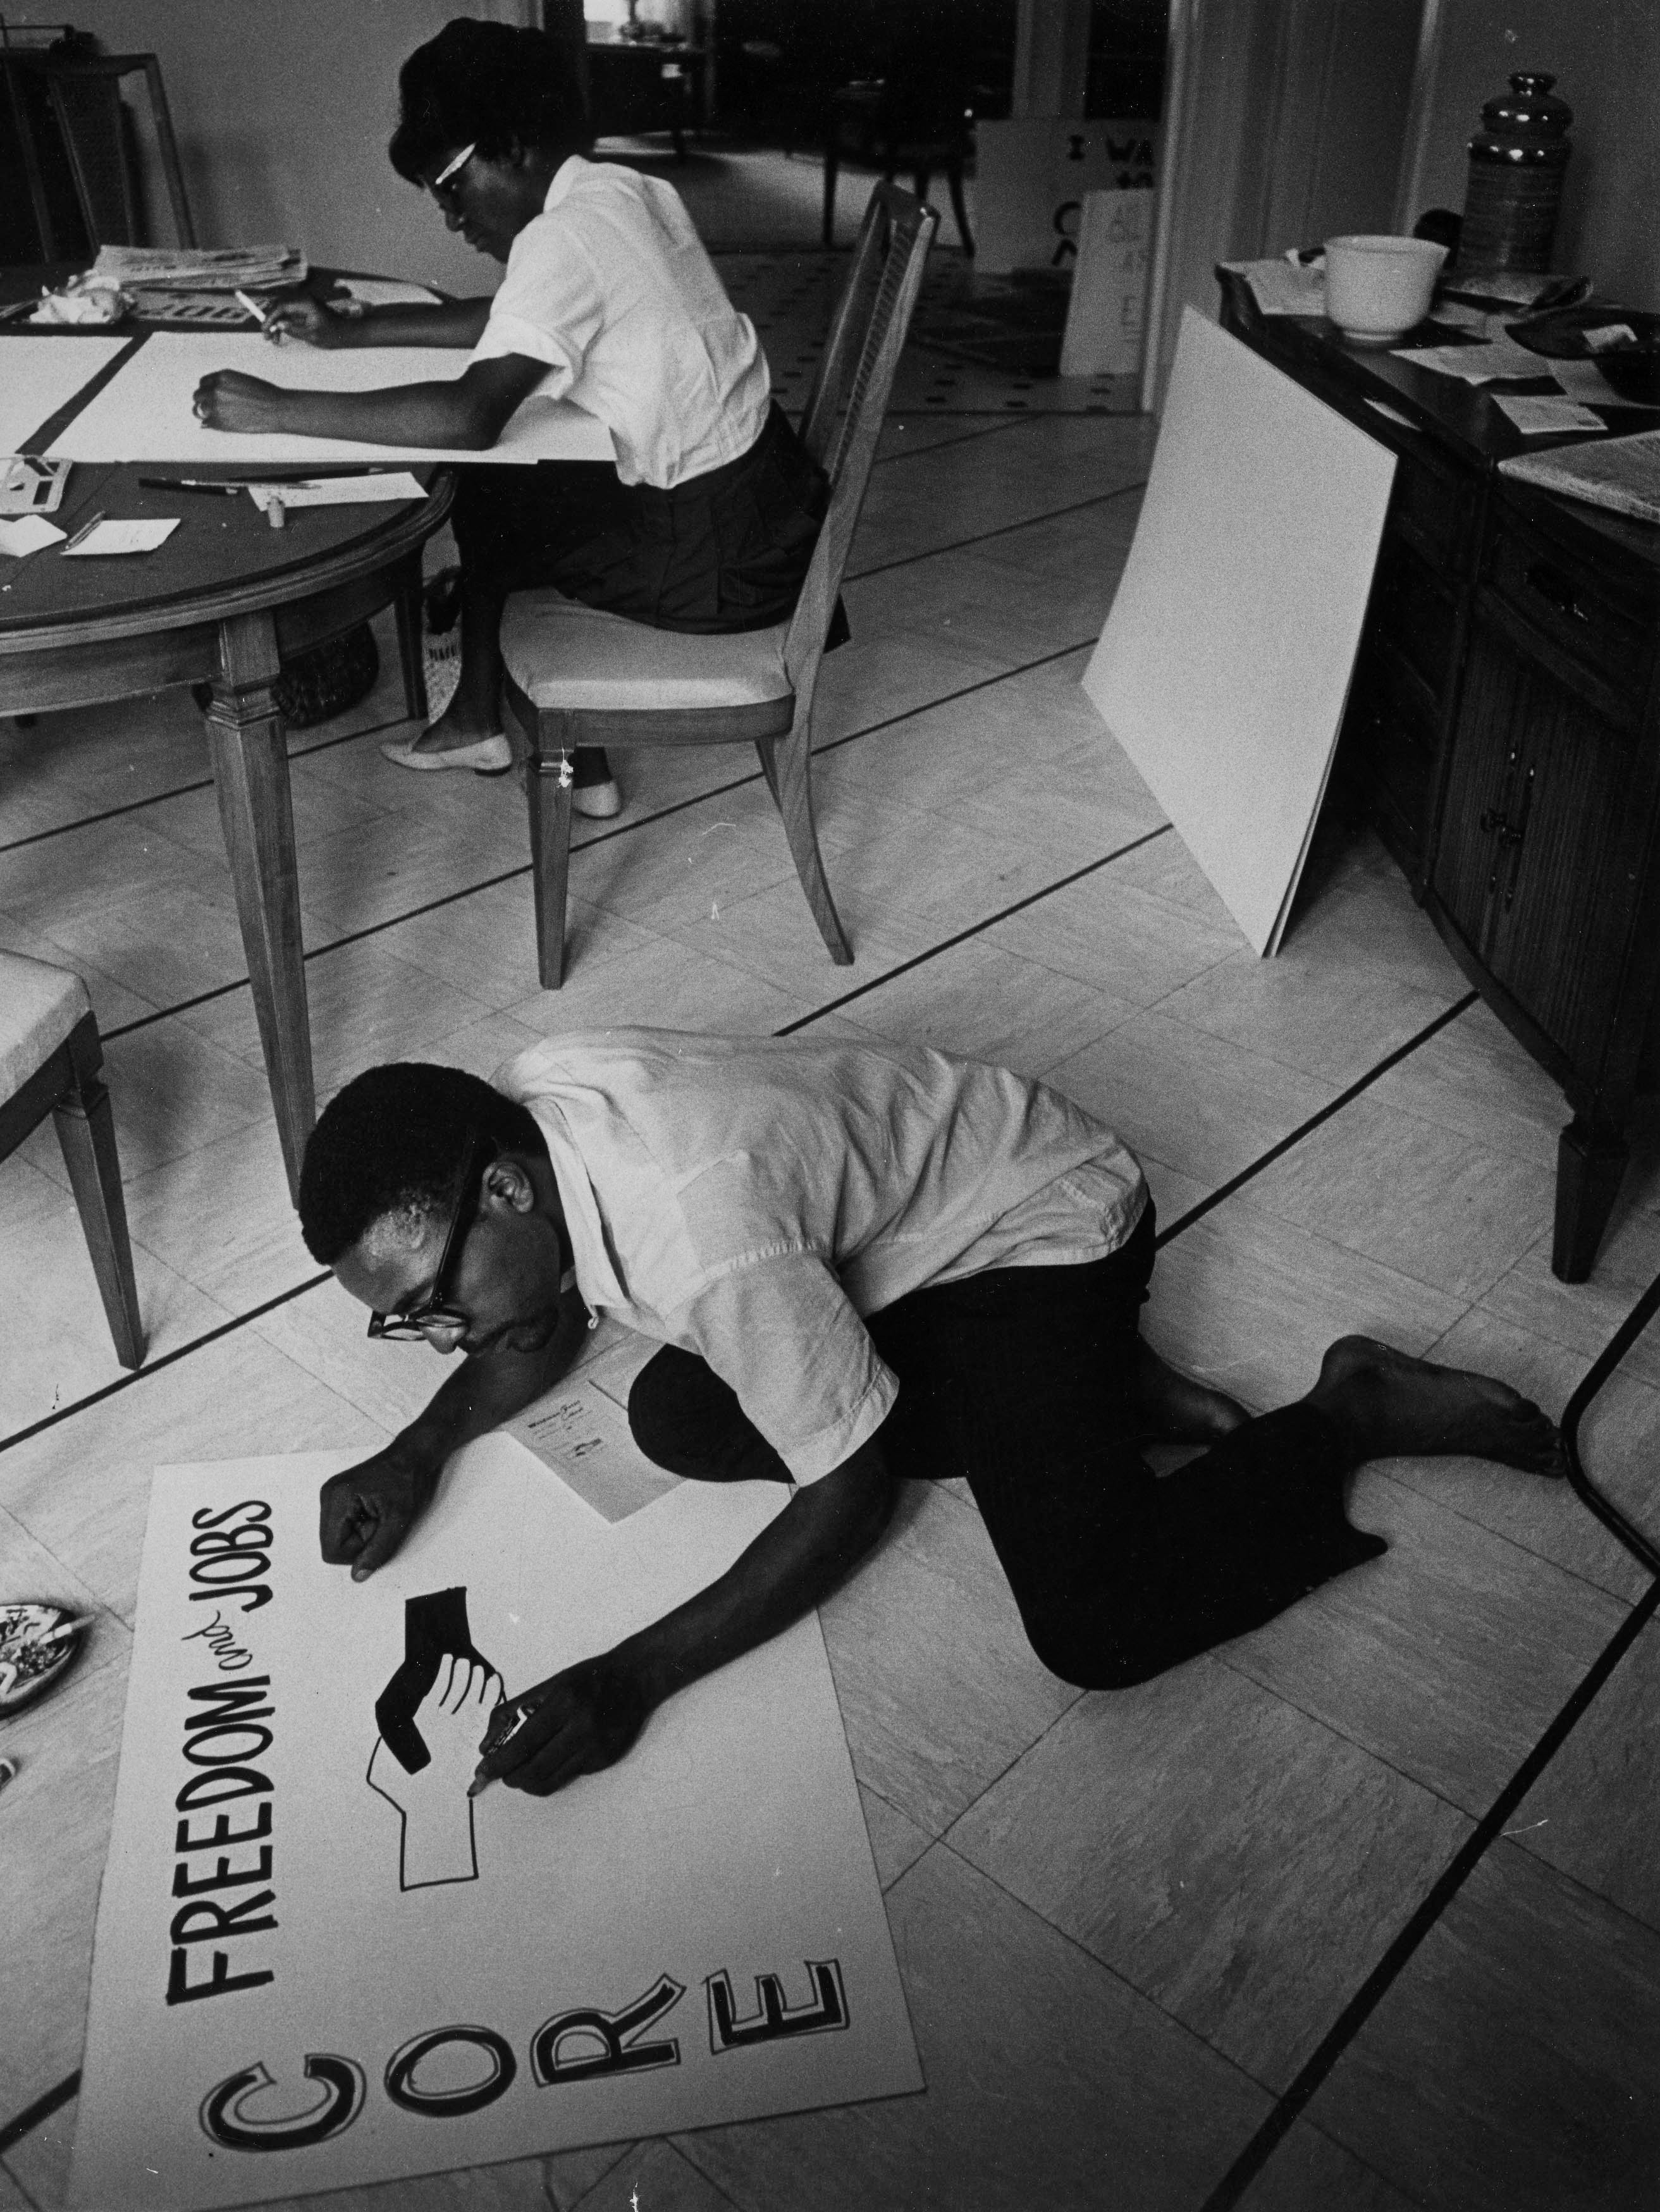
(449, 416)
(459, 323)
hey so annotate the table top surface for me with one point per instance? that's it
(224, 557)
(1460, 419)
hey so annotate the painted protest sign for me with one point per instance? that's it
(1031, 176)
(319, 1964)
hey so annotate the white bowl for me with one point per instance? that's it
(1379, 287)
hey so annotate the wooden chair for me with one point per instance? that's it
(576, 676)
(879, 125)
(50, 1056)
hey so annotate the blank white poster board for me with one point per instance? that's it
(144, 412)
(317, 1966)
(1225, 660)
(39, 375)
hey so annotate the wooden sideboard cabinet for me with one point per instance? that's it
(1502, 733)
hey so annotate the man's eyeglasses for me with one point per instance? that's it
(442, 187)
(436, 1311)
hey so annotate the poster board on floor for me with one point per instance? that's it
(1030, 179)
(1106, 315)
(1224, 664)
(38, 375)
(318, 1965)
(144, 412)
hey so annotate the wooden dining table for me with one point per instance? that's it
(225, 601)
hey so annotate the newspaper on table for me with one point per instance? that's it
(200, 269)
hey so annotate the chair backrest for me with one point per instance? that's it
(850, 399)
(86, 100)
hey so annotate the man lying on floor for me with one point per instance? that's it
(861, 1262)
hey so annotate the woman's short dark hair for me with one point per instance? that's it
(487, 85)
(396, 1138)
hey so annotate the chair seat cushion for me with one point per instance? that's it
(39, 1007)
(567, 658)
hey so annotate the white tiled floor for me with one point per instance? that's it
(1125, 1922)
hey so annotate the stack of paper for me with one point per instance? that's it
(200, 269)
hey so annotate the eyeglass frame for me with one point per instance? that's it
(432, 1311)
(440, 187)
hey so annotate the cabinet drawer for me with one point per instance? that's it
(1432, 509)
(1555, 598)
(1413, 615)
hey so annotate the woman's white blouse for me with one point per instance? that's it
(610, 287)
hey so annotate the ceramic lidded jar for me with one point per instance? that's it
(1517, 159)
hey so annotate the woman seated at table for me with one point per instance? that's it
(708, 521)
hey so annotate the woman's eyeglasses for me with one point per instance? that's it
(442, 187)
(436, 1311)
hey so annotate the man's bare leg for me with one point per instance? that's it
(1387, 1406)
(1176, 1410)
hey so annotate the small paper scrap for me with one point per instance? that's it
(339, 491)
(1392, 414)
(122, 537)
(1609, 338)
(27, 535)
(1500, 361)
(1536, 417)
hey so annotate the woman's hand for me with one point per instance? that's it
(311, 323)
(227, 400)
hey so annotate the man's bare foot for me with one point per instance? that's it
(1392, 1406)
(1176, 1410)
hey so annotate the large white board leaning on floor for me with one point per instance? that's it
(319, 1964)
(144, 412)
(1225, 660)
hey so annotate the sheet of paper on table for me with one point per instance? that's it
(340, 491)
(387, 292)
(1284, 287)
(122, 537)
(319, 1964)
(28, 534)
(1226, 661)
(1497, 361)
(1584, 381)
(38, 375)
(1621, 474)
(1537, 417)
(144, 412)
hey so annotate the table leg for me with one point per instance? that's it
(412, 647)
(249, 749)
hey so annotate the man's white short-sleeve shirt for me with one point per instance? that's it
(750, 1199)
(610, 287)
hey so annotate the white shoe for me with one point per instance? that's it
(485, 757)
(598, 801)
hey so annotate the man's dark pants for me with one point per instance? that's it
(1023, 1381)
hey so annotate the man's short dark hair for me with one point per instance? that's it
(486, 85)
(394, 1138)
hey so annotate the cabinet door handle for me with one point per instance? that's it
(1514, 836)
(1555, 589)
